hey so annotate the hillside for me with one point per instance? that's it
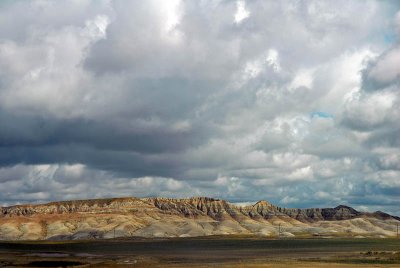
(198, 216)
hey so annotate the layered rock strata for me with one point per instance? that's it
(198, 216)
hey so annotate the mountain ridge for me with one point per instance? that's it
(261, 206)
(166, 217)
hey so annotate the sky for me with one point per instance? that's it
(294, 102)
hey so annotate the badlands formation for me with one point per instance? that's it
(200, 216)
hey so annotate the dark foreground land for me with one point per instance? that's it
(203, 252)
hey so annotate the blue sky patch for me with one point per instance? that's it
(321, 114)
(389, 38)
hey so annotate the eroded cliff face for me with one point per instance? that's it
(166, 217)
(77, 206)
(218, 209)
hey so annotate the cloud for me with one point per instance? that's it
(370, 111)
(241, 12)
(294, 102)
(384, 71)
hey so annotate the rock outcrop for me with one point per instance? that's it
(167, 217)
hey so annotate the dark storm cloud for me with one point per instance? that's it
(28, 131)
(124, 163)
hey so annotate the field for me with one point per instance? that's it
(217, 251)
